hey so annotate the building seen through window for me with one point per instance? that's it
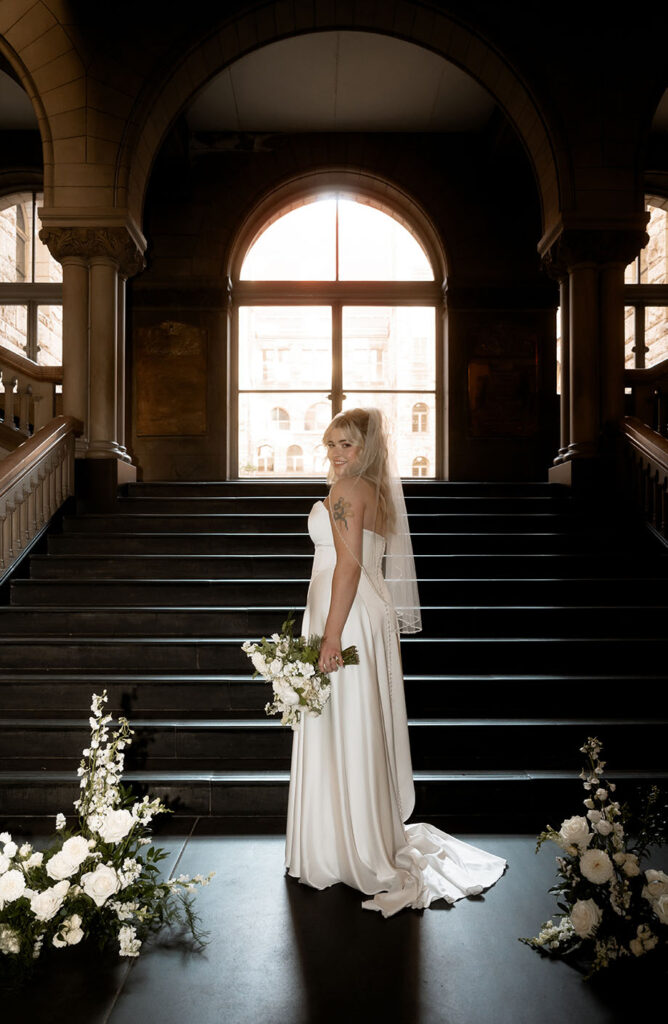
(30, 283)
(646, 312)
(300, 362)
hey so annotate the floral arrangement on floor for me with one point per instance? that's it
(100, 881)
(289, 664)
(610, 908)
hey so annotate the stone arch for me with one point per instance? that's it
(43, 125)
(162, 99)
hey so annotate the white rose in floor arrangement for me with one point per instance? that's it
(104, 879)
(610, 911)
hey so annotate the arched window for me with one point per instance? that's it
(280, 418)
(31, 293)
(265, 459)
(420, 418)
(295, 459)
(420, 466)
(646, 319)
(317, 417)
(336, 305)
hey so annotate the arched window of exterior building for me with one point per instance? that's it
(336, 305)
(646, 293)
(280, 418)
(420, 418)
(295, 459)
(265, 459)
(420, 466)
(31, 291)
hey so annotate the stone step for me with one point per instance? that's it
(263, 504)
(316, 488)
(300, 543)
(439, 566)
(215, 744)
(533, 796)
(292, 593)
(438, 621)
(144, 694)
(462, 656)
(427, 522)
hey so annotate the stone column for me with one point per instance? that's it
(103, 442)
(612, 346)
(565, 398)
(75, 343)
(584, 361)
(120, 368)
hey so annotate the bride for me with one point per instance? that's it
(351, 782)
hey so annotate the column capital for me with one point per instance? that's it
(110, 242)
(576, 246)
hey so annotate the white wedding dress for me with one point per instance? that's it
(351, 783)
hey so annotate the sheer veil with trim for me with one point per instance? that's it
(377, 464)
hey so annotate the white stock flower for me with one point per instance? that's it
(594, 816)
(115, 825)
(596, 866)
(259, 663)
(12, 885)
(25, 850)
(10, 941)
(275, 667)
(585, 917)
(601, 794)
(603, 827)
(46, 904)
(60, 822)
(630, 866)
(660, 908)
(575, 832)
(100, 884)
(129, 944)
(70, 932)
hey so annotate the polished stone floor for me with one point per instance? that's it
(281, 953)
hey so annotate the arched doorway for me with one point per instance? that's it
(336, 304)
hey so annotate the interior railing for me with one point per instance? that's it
(29, 398)
(648, 397)
(35, 480)
(647, 473)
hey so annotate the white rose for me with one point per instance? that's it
(100, 884)
(12, 885)
(10, 849)
(60, 866)
(275, 667)
(660, 908)
(602, 794)
(4, 863)
(46, 904)
(596, 866)
(259, 663)
(656, 876)
(115, 826)
(594, 816)
(70, 932)
(636, 947)
(575, 831)
(76, 849)
(34, 860)
(5, 838)
(603, 827)
(585, 917)
(630, 866)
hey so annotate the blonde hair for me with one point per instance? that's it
(365, 429)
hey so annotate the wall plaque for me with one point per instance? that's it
(170, 361)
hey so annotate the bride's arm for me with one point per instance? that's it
(346, 510)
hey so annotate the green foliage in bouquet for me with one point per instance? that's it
(100, 881)
(609, 908)
(289, 663)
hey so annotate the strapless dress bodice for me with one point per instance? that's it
(320, 531)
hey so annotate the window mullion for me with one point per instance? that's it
(337, 364)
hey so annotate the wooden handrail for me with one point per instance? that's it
(19, 462)
(48, 374)
(646, 375)
(647, 441)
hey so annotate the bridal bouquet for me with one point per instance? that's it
(610, 908)
(100, 881)
(289, 663)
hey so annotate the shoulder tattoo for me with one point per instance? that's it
(342, 511)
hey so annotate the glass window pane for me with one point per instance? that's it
(629, 336)
(389, 347)
(300, 246)
(374, 247)
(654, 257)
(270, 446)
(50, 335)
(18, 236)
(285, 347)
(656, 334)
(14, 328)
(410, 445)
(46, 268)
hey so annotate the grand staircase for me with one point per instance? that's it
(543, 624)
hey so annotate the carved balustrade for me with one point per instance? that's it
(35, 480)
(647, 470)
(28, 398)
(648, 400)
